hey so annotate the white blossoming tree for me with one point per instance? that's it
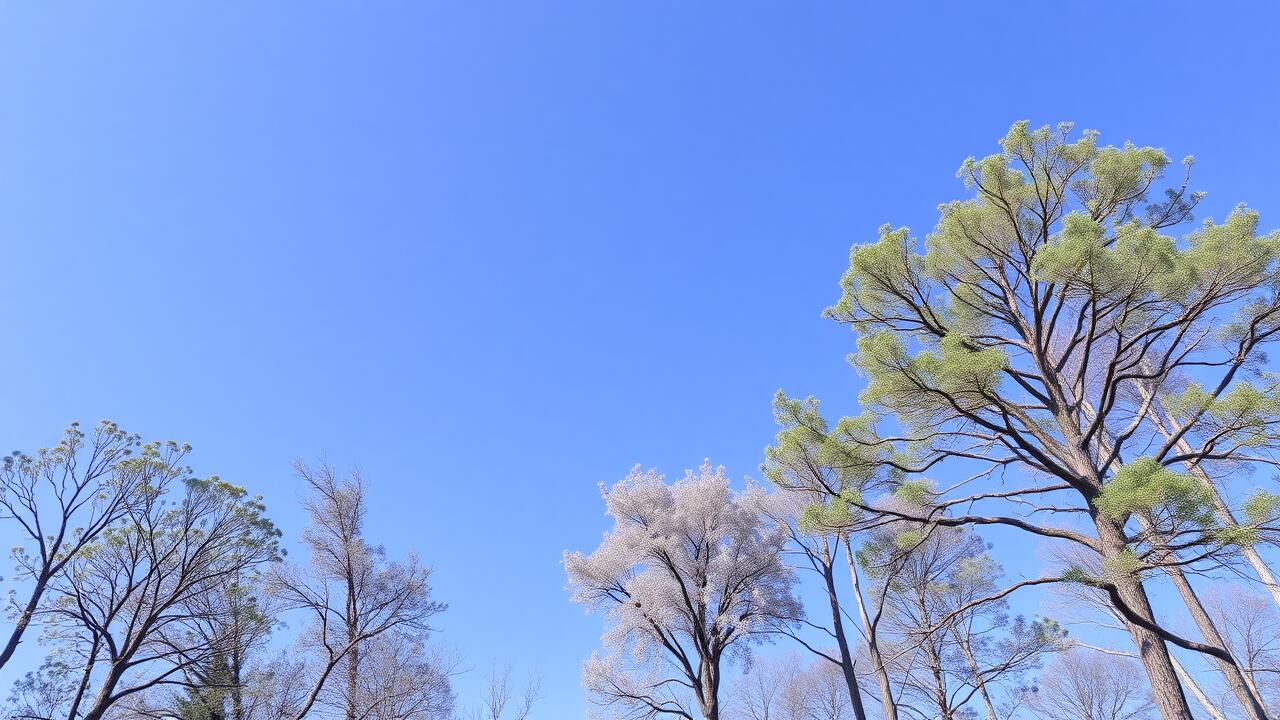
(690, 577)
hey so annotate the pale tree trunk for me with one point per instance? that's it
(1166, 689)
(842, 642)
(1228, 518)
(873, 645)
(1245, 691)
(977, 677)
(1194, 687)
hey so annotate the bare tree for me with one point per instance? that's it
(502, 700)
(1250, 626)
(947, 651)
(788, 688)
(403, 679)
(689, 575)
(1079, 686)
(63, 498)
(351, 592)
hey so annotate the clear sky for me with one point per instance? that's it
(496, 253)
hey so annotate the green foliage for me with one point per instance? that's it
(1262, 507)
(1125, 564)
(910, 539)
(808, 454)
(1237, 535)
(209, 691)
(882, 280)
(922, 389)
(915, 492)
(1145, 484)
(1077, 574)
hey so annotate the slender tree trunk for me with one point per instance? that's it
(1245, 691)
(85, 677)
(1224, 513)
(1152, 651)
(353, 675)
(939, 685)
(977, 677)
(237, 686)
(1194, 687)
(353, 657)
(1228, 518)
(23, 620)
(873, 645)
(842, 642)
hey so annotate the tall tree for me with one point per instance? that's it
(63, 498)
(818, 548)
(810, 466)
(1031, 339)
(351, 592)
(689, 575)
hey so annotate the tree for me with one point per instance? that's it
(63, 498)
(208, 691)
(1052, 333)
(132, 604)
(353, 595)
(1077, 686)
(501, 701)
(690, 576)
(44, 693)
(947, 651)
(807, 465)
(786, 688)
(1251, 630)
(402, 679)
(818, 548)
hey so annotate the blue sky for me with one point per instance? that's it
(495, 253)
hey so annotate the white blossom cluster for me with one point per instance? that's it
(689, 573)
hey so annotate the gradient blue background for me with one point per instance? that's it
(495, 253)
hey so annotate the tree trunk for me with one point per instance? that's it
(977, 677)
(353, 640)
(85, 677)
(103, 701)
(709, 698)
(1152, 651)
(1224, 514)
(873, 646)
(353, 679)
(1190, 683)
(837, 623)
(23, 621)
(1246, 693)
